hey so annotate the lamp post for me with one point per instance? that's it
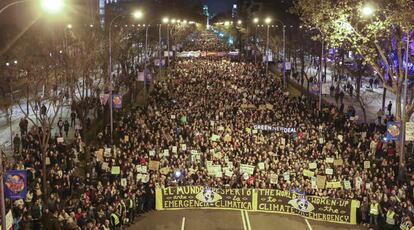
(267, 21)
(320, 75)
(255, 21)
(284, 53)
(403, 118)
(51, 6)
(137, 14)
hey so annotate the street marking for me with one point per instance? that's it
(183, 224)
(249, 227)
(309, 226)
(243, 220)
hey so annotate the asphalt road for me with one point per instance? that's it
(228, 220)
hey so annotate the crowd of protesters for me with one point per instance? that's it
(207, 110)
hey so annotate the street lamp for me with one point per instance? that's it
(267, 21)
(255, 21)
(69, 26)
(367, 10)
(136, 14)
(239, 22)
(49, 6)
(52, 6)
(165, 20)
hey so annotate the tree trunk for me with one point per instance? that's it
(397, 105)
(358, 86)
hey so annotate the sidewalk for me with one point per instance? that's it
(18, 114)
(372, 97)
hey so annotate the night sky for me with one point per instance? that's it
(217, 6)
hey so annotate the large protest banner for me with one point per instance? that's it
(312, 207)
(190, 197)
(260, 200)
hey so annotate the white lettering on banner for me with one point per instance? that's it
(274, 128)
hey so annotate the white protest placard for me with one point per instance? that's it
(273, 178)
(183, 147)
(409, 131)
(283, 141)
(144, 169)
(261, 165)
(9, 220)
(312, 165)
(166, 152)
(230, 164)
(172, 116)
(228, 173)
(254, 131)
(174, 149)
(358, 182)
(286, 176)
(245, 168)
(321, 141)
(347, 184)
(151, 153)
(215, 137)
(105, 166)
(329, 160)
(340, 138)
(123, 182)
(107, 152)
(367, 164)
(313, 183)
(212, 123)
(328, 171)
(60, 140)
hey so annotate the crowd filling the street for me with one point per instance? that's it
(212, 110)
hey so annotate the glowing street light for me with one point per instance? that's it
(173, 21)
(239, 22)
(367, 10)
(256, 20)
(69, 26)
(52, 6)
(137, 14)
(226, 23)
(165, 20)
(268, 20)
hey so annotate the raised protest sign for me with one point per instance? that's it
(15, 184)
(393, 131)
(115, 170)
(244, 168)
(409, 131)
(154, 165)
(257, 200)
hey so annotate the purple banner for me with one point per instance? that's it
(15, 184)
